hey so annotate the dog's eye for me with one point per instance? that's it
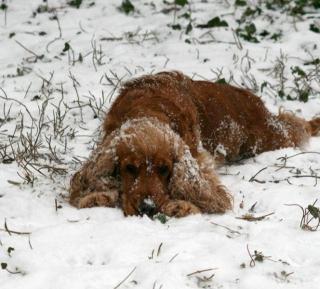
(164, 171)
(132, 169)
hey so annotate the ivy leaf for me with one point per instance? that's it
(66, 47)
(316, 3)
(3, 6)
(162, 218)
(221, 80)
(126, 7)
(176, 27)
(214, 22)
(9, 250)
(181, 2)
(298, 70)
(314, 211)
(75, 3)
(240, 3)
(313, 62)
(189, 28)
(314, 28)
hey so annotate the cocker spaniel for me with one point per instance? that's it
(162, 137)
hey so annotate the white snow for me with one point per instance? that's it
(99, 247)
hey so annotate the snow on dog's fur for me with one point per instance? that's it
(162, 136)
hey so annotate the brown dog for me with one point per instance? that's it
(163, 135)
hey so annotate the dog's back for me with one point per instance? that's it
(231, 122)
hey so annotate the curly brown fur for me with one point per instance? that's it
(162, 136)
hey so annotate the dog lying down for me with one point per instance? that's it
(162, 137)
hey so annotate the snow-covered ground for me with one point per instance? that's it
(59, 71)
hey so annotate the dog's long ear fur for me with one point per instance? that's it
(98, 174)
(194, 180)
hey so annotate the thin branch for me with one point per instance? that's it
(125, 279)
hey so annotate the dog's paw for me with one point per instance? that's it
(99, 199)
(180, 208)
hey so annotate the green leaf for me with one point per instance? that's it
(276, 36)
(9, 250)
(75, 3)
(126, 7)
(281, 93)
(185, 15)
(214, 22)
(80, 59)
(66, 47)
(314, 28)
(240, 3)
(161, 217)
(314, 211)
(263, 85)
(176, 27)
(298, 70)
(248, 33)
(316, 4)
(304, 96)
(251, 29)
(221, 80)
(264, 33)
(181, 2)
(313, 62)
(3, 6)
(189, 28)
(251, 12)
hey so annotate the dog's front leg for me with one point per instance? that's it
(99, 199)
(179, 208)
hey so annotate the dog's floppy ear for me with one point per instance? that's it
(99, 173)
(194, 180)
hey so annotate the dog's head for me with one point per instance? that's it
(152, 163)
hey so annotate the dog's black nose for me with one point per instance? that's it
(148, 207)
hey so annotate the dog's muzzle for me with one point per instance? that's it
(148, 207)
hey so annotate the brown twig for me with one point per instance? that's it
(6, 229)
(201, 271)
(126, 278)
(173, 257)
(227, 228)
(253, 178)
(251, 218)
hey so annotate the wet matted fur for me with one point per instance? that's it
(162, 137)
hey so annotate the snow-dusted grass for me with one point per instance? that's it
(55, 102)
